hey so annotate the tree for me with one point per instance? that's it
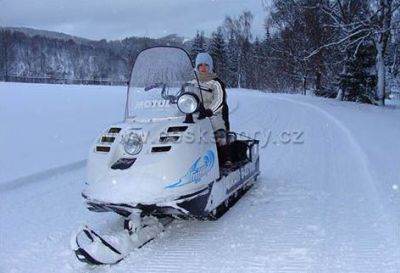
(5, 47)
(301, 28)
(393, 58)
(269, 73)
(232, 62)
(258, 64)
(239, 32)
(357, 23)
(359, 82)
(217, 50)
(198, 46)
(382, 18)
(248, 65)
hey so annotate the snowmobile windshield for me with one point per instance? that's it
(159, 75)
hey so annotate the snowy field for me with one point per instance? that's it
(327, 200)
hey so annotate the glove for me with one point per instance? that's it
(209, 113)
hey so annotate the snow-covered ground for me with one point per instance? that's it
(45, 127)
(328, 198)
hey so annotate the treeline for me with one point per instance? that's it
(38, 58)
(347, 49)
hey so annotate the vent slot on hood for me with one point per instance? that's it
(114, 130)
(103, 149)
(160, 149)
(166, 139)
(123, 163)
(177, 129)
(107, 139)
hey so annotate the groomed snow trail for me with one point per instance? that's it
(315, 208)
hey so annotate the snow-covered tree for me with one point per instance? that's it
(239, 32)
(382, 15)
(300, 28)
(359, 81)
(54, 57)
(248, 65)
(6, 42)
(258, 64)
(217, 50)
(393, 60)
(199, 45)
(356, 23)
(232, 62)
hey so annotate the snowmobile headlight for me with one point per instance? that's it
(133, 143)
(188, 103)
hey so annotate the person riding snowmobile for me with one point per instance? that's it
(151, 183)
(214, 96)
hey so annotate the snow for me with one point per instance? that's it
(327, 199)
(45, 127)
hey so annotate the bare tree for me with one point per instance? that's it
(240, 29)
(383, 13)
(5, 47)
(301, 29)
(358, 22)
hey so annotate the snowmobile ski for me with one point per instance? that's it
(94, 249)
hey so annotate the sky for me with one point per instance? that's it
(118, 19)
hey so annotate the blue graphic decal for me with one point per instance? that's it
(198, 169)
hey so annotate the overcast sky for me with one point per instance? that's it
(117, 19)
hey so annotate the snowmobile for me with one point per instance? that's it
(161, 163)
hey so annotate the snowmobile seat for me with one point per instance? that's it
(239, 156)
(239, 151)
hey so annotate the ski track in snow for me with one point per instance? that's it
(348, 135)
(38, 177)
(315, 208)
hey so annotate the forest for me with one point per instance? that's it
(344, 49)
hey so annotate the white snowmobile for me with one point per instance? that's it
(162, 162)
